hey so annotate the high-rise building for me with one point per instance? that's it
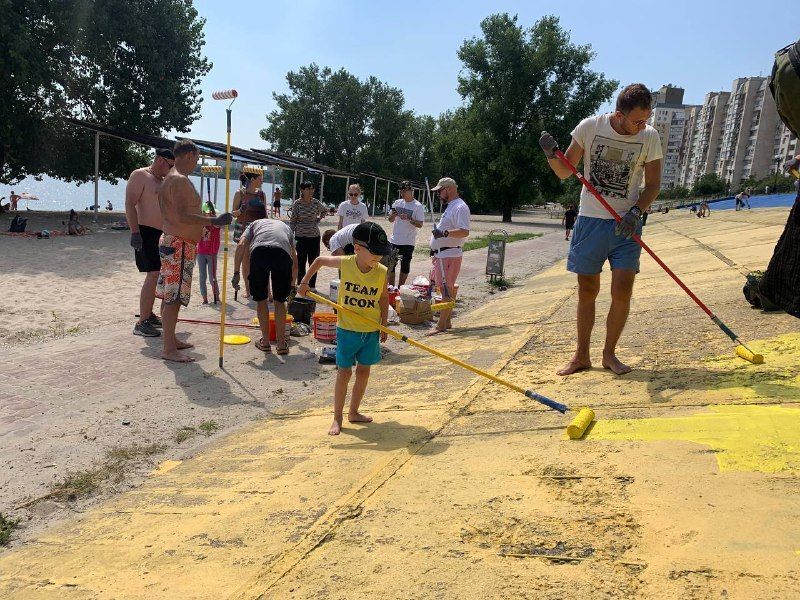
(737, 135)
(705, 138)
(669, 119)
(687, 143)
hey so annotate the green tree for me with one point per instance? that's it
(708, 185)
(336, 119)
(133, 64)
(517, 82)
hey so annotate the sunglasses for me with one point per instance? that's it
(169, 162)
(349, 194)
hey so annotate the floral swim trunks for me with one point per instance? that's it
(177, 264)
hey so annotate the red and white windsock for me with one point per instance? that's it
(225, 95)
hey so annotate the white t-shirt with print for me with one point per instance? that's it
(404, 233)
(614, 164)
(455, 216)
(341, 238)
(352, 213)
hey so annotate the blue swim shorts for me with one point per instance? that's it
(594, 242)
(357, 347)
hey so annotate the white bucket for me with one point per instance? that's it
(333, 293)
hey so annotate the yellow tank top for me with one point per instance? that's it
(360, 292)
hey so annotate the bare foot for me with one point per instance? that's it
(359, 418)
(614, 364)
(336, 428)
(177, 357)
(435, 331)
(573, 366)
(183, 345)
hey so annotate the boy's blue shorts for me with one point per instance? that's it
(594, 242)
(357, 347)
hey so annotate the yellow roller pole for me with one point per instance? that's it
(225, 95)
(529, 393)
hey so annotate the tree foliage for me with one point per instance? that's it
(708, 185)
(515, 83)
(133, 64)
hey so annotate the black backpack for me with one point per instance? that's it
(784, 83)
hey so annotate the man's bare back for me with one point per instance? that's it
(177, 199)
(146, 186)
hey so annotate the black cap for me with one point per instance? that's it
(165, 153)
(372, 236)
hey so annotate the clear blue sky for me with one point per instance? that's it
(700, 46)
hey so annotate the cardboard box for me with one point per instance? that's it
(414, 313)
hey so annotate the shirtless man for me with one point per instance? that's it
(183, 221)
(144, 219)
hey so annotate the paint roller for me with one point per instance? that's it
(741, 348)
(225, 95)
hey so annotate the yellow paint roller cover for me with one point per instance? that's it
(582, 420)
(236, 340)
(744, 353)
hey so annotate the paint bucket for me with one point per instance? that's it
(302, 309)
(273, 334)
(324, 327)
(333, 293)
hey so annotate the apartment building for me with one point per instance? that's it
(669, 120)
(685, 155)
(705, 137)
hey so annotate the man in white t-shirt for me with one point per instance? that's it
(352, 211)
(407, 215)
(447, 238)
(620, 151)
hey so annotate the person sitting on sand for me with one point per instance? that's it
(109, 206)
(73, 226)
(363, 289)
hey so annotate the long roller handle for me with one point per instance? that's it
(647, 249)
(529, 393)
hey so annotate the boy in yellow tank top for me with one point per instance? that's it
(362, 288)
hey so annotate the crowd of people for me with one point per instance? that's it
(171, 230)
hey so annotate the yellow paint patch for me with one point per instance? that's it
(744, 438)
(165, 466)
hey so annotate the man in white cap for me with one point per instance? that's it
(447, 239)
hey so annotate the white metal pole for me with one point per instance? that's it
(96, 174)
(202, 189)
(294, 186)
(386, 208)
(216, 179)
(374, 195)
(322, 189)
(347, 188)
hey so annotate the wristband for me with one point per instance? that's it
(446, 233)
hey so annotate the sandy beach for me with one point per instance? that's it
(71, 305)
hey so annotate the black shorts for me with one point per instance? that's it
(147, 259)
(405, 253)
(569, 225)
(349, 249)
(270, 265)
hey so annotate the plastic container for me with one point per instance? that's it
(273, 334)
(302, 309)
(333, 293)
(393, 296)
(324, 327)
